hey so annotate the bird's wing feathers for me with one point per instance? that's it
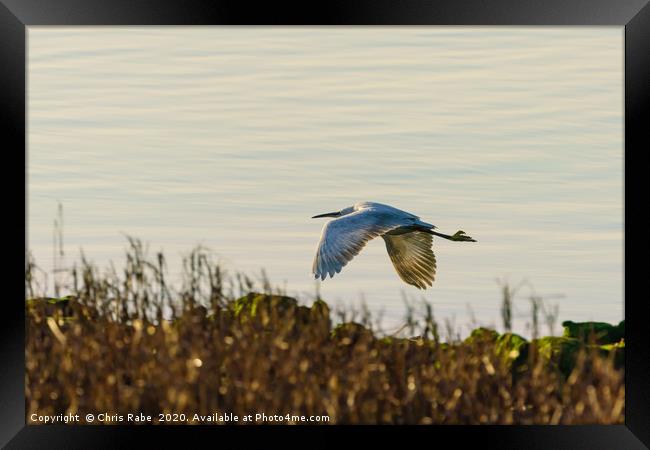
(343, 238)
(412, 257)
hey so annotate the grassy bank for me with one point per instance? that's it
(108, 348)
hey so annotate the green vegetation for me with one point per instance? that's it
(600, 332)
(132, 344)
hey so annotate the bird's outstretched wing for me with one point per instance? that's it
(412, 257)
(343, 238)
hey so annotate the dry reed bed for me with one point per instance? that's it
(110, 349)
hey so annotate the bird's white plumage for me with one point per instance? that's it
(408, 241)
(343, 238)
(412, 257)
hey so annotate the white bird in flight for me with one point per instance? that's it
(408, 241)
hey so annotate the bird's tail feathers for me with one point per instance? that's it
(425, 225)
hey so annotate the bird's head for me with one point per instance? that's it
(340, 213)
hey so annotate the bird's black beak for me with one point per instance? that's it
(332, 214)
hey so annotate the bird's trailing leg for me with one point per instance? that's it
(459, 236)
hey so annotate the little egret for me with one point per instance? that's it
(408, 241)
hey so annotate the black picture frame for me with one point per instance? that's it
(634, 15)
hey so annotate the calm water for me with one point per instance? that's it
(235, 137)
